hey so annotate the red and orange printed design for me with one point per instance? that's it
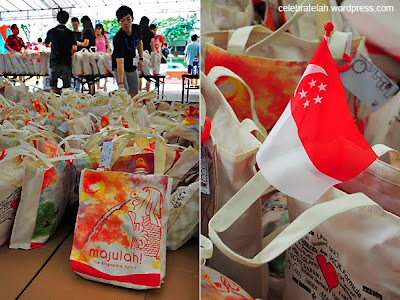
(272, 81)
(120, 229)
(215, 286)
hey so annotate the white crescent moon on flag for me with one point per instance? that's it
(311, 69)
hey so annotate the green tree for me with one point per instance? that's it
(177, 29)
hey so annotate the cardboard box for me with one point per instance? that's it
(27, 272)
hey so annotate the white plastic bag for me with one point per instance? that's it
(155, 62)
(93, 63)
(147, 69)
(86, 67)
(77, 64)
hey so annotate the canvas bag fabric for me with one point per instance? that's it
(36, 62)
(123, 164)
(120, 232)
(155, 59)
(11, 179)
(183, 215)
(9, 66)
(275, 59)
(233, 165)
(77, 69)
(309, 27)
(44, 63)
(215, 286)
(2, 64)
(380, 181)
(44, 198)
(340, 206)
(384, 124)
(336, 258)
(225, 14)
(147, 69)
(14, 92)
(86, 67)
(18, 69)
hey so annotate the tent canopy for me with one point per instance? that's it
(11, 10)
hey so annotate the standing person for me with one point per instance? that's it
(77, 33)
(63, 46)
(88, 40)
(76, 84)
(125, 42)
(14, 43)
(164, 57)
(192, 54)
(158, 39)
(102, 45)
(148, 42)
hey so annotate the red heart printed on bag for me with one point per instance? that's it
(328, 271)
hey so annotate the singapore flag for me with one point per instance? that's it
(315, 143)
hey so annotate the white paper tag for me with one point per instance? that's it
(106, 154)
(368, 83)
(63, 127)
(204, 174)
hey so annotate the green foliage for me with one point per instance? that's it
(25, 29)
(45, 221)
(112, 27)
(177, 29)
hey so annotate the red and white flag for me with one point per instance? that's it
(315, 143)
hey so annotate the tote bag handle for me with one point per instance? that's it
(307, 221)
(255, 125)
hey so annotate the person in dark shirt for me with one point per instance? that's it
(76, 84)
(77, 33)
(165, 53)
(63, 46)
(88, 37)
(148, 42)
(164, 57)
(89, 40)
(14, 43)
(147, 35)
(126, 41)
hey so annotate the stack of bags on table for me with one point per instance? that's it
(151, 63)
(29, 62)
(85, 62)
(255, 75)
(131, 167)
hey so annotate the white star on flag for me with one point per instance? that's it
(322, 87)
(317, 99)
(302, 93)
(308, 151)
(312, 83)
(307, 103)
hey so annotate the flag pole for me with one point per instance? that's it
(328, 29)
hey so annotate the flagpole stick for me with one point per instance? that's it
(328, 29)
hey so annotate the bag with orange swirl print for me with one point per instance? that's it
(215, 286)
(121, 228)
